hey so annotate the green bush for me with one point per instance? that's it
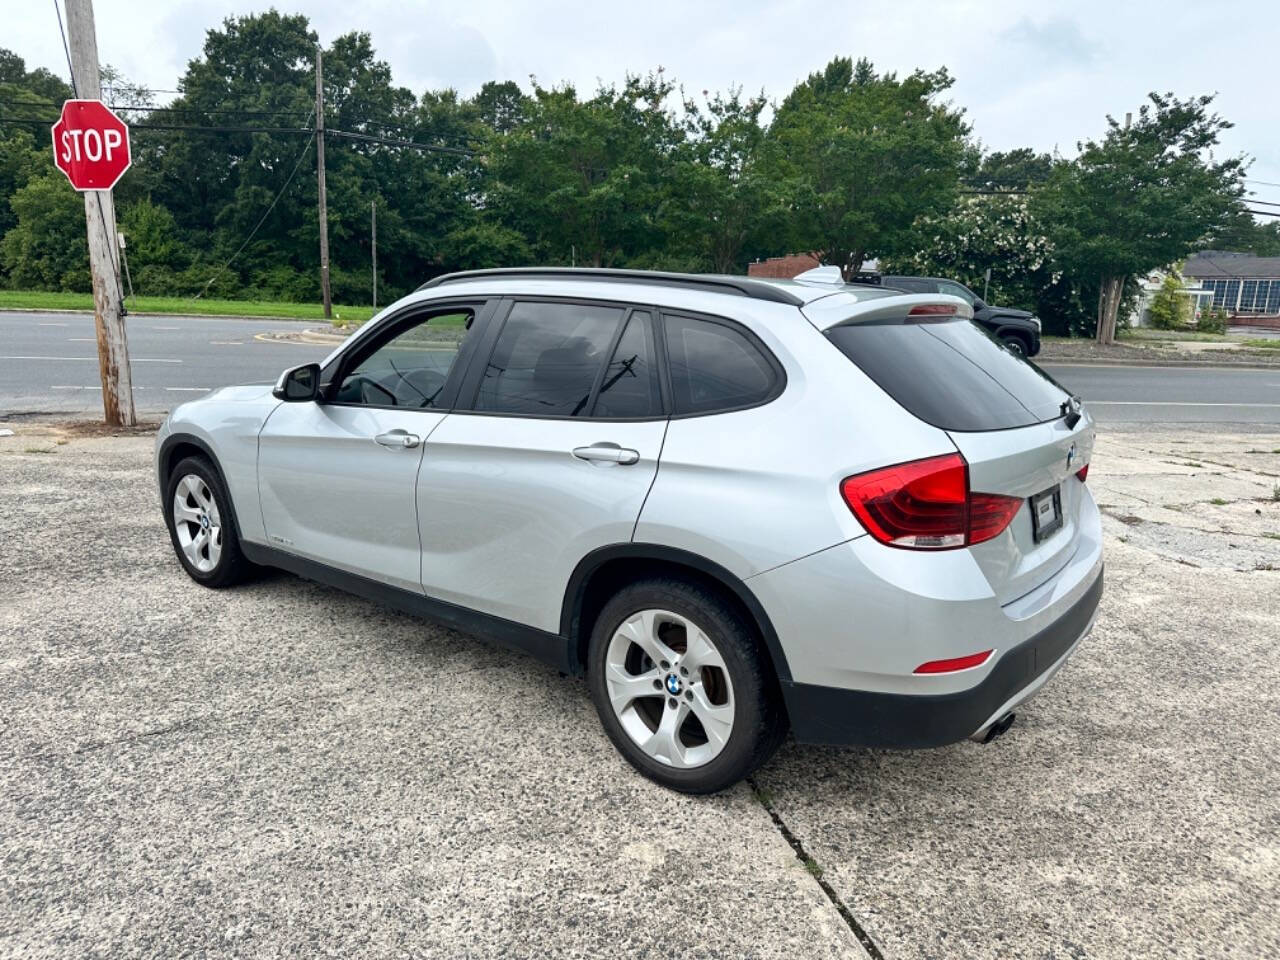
(1212, 320)
(1169, 309)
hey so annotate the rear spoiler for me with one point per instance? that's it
(906, 308)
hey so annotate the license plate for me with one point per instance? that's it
(1046, 513)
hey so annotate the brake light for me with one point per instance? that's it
(954, 664)
(927, 505)
(928, 311)
(1083, 473)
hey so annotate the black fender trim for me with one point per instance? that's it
(576, 591)
(547, 647)
(838, 717)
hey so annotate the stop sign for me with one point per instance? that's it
(91, 145)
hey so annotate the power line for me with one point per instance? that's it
(263, 219)
(393, 142)
(211, 128)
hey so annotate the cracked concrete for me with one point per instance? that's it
(281, 769)
(1131, 811)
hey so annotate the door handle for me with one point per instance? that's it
(607, 453)
(397, 438)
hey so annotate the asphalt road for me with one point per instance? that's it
(49, 361)
(48, 364)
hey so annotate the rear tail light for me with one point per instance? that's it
(927, 505)
(1083, 473)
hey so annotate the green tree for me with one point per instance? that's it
(46, 249)
(996, 232)
(583, 179)
(1169, 308)
(1139, 199)
(719, 199)
(862, 156)
(1244, 234)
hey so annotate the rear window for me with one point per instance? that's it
(952, 375)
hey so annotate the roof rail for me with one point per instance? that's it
(737, 286)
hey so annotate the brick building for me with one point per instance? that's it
(783, 268)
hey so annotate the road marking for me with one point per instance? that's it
(43, 324)
(226, 343)
(166, 328)
(188, 389)
(1169, 403)
(82, 340)
(95, 387)
(95, 359)
(1207, 367)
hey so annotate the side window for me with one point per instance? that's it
(546, 359)
(411, 368)
(952, 289)
(630, 384)
(714, 366)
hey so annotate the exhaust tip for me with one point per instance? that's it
(997, 729)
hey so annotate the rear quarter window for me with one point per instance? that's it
(716, 367)
(953, 375)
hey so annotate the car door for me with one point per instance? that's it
(552, 456)
(336, 476)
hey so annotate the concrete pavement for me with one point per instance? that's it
(282, 770)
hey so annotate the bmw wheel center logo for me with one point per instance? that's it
(673, 684)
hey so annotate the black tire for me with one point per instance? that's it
(759, 722)
(231, 566)
(1016, 344)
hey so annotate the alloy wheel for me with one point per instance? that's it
(669, 688)
(197, 522)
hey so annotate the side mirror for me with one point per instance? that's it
(299, 384)
(978, 304)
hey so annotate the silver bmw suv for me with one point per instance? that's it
(734, 505)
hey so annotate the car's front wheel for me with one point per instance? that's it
(202, 526)
(680, 686)
(1015, 345)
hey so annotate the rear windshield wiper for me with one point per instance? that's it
(1070, 410)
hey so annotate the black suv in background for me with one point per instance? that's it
(1018, 330)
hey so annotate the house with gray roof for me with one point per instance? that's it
(1242, 284)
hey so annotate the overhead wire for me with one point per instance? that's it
(261, 220)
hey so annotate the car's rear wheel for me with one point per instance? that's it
(201, 525)
(680, 687)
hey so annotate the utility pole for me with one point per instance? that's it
(100, 219)
(324, 200)
(373, 214)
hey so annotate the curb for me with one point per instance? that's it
(1109, 362)
(168, 316)
(314, 337)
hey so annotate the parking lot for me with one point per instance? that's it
(284, 770)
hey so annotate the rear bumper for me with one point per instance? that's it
(836, 716)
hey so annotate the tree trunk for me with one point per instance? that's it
(1109, 308)
(852, 265)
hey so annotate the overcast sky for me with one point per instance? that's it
(1028, 74)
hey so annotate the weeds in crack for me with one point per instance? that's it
(814, 868)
